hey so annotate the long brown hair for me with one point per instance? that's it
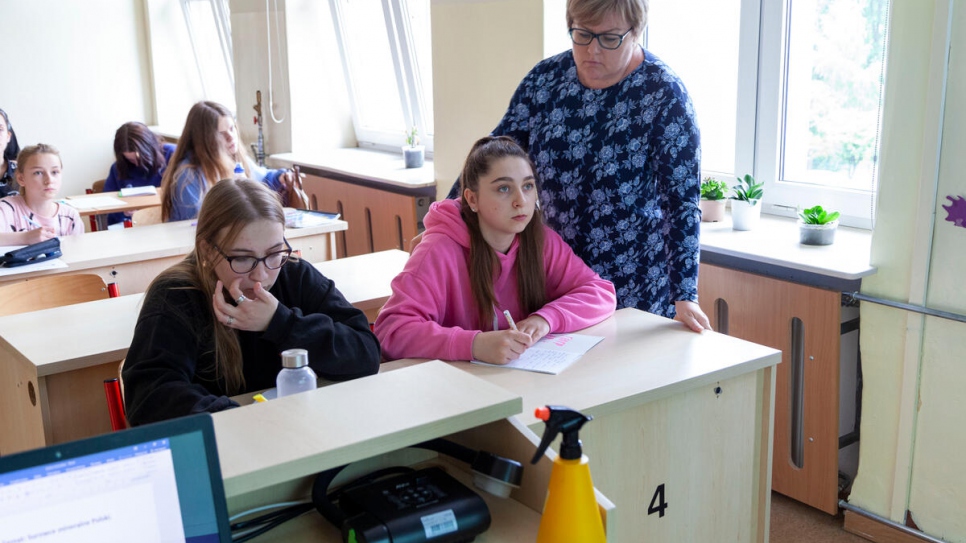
(200, 144)
(135, 137)
(230, 206)
(531, 275)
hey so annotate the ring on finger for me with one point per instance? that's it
(230, 320)
(241, 299)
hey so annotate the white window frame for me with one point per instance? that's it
(759, 122)
(409, 86)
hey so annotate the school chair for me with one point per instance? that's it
(51, 291)
(98, 186)
(146, 216)
(114, 392)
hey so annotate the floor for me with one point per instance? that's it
(794, 522)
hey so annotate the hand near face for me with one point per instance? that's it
(534, 326)
(252, 315)
(501, 346)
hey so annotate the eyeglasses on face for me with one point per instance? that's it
(606, 40)
(245, 264)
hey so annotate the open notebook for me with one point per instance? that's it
(154, 483)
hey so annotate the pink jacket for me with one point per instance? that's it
(432, 313)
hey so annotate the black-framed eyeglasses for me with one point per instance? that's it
(245, 264)
(606, 40)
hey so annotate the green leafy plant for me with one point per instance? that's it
(412, 138)
(817, 215)
(747, 190)
(712, 189)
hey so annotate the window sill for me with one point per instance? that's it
(372, 167)
(772, 249)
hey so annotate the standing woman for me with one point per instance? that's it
(208, 151)
(612, 132)
(8, 163)
(214, 325)
(140, 160)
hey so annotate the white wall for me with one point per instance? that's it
(74, 72)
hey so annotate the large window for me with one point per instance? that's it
(789, 91)
(387, 56)
(209, 30)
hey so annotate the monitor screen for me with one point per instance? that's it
(156, 483)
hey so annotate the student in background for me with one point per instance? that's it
(209, 150)
(484, 254)
(8, 162)
(140, 160)
(34, 215)
(213, 325)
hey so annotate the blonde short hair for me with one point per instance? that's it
(592, 12)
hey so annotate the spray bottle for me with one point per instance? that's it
(570, 513)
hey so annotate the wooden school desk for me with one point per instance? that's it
(680, 419)
(129, 203)
(50, 376)
(132, 257)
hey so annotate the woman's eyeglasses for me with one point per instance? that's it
(245, 264)
(606, 40)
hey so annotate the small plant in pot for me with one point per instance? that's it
(817, 226)
(413, 153)
(713, 199)
(746, 203)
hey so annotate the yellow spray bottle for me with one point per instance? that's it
(570, 514)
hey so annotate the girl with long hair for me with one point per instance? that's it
(484, 254)
(8, 162)
(140, 160)
(35, 215)
(214, 325)
(208, 151)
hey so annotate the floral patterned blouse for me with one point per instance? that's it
(620, 174)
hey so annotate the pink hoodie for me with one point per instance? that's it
(432, 314)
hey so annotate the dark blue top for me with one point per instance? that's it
(139, 178)
(620, 172)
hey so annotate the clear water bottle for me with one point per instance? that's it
(296, 375)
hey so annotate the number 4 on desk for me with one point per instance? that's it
(658, 505)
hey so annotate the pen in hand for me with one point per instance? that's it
(33, 222)
(509, 319)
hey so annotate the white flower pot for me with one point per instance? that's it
(745, 216)
(413, 155)
(712, 210)
(817, 234)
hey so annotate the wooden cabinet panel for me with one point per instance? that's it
(762, 310)
(378, 220)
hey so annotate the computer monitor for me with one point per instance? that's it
(155, 483)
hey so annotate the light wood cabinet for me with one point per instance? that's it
(804, 323)
(378, 219)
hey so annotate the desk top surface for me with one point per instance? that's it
(96, 332)
(128, 203)
(642, 358)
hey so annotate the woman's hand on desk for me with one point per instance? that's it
(691, 315)
(37, 235)
(501, 346)
(251, 314)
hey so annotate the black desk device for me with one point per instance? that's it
(424, 505)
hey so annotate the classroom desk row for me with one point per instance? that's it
(680, 443)
(99, 204)
(52, 362)
(132, 257)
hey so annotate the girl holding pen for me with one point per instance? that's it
(35, 215)
(487, 253)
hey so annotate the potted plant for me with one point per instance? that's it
(746, 203)
(817, 226)
(713, 199)
(413, 153)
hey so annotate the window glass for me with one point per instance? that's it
(833, 92)
(213, 62)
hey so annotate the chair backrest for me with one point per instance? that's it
(51, 291)
(98, 186)
(146, 216)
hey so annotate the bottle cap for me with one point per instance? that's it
(295, 358)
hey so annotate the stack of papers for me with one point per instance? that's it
(93, 202)
(552, 354)
(148, 190)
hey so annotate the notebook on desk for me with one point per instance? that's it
(154, 483)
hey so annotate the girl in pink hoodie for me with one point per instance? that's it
(483, 254)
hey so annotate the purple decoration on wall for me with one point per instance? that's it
(956, 211)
